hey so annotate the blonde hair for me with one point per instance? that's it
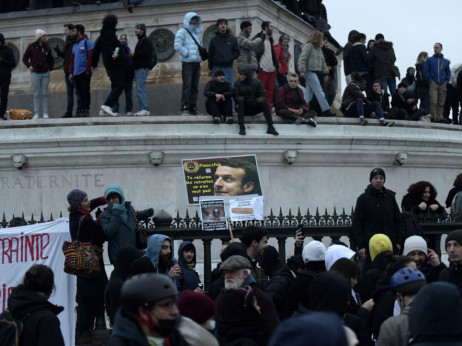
(316, 38)
(422, 56)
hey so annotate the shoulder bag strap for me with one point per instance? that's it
(198, 45)
(80, 224)
(138, 226)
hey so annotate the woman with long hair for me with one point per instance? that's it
(29, 303)
(39, 60)
(311, 63)
(421, 199)
(421, 83)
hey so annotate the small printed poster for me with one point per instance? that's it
(223, 177)
(245, 209)
(213, 215)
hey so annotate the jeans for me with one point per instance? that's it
(358, 109)
(4, 89)
(190, 72)
(228, 71)
(140, 78)
(128, 90)
(40, 83)
(70, 88)
(313, 86)
(389, 81)
(424, 96)
(117, 77)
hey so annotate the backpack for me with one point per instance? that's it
(10, 329)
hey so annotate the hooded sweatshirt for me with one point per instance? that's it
(184, 44)
(189, 279)
(155, 242)
(436, 316)
(335, 252)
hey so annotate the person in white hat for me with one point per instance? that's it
(39, 60)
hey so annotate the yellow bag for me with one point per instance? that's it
(20, 114)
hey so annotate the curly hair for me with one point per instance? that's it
(416, 190)
(110, 21)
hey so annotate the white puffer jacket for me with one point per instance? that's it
(184, 44)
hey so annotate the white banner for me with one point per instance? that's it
(21, 247)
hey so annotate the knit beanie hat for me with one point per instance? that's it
(196, 305)
(314, 251)
(378, 244)
(75, 197)
(141, 26)
(455, 235)
(269, 258)
(377, 171)
(39, 33)
(414, 243)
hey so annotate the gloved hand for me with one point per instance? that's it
(150, 212)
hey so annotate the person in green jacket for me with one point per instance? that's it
(250, 97)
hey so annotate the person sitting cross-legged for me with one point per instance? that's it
(219, 94)
(250, 97)
(291, 105)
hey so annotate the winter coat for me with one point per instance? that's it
(436, 316)
(452, 274)
(384, 305)
(118, 223)
(369, 279)
(411, 205)
(155, 242)
(456, 206)
(376, 212)
(184, 43)
(410, 82)
(249, 90)
(312, 60)
(41, 326)
(382, 58)
(8, 61)
(81, 56)
(400, 101)
(358, 57)
(437, 69)
(287, 97)
(66, 52)
(106, 44)
(395, 330)
(143, 53)
(352, 92)
(432, 273)
(189, 279)
(195, 334)
(283, 63)
(331, 60)
(215, 87)
(278, 288)
(125, 257)
(298, 291)
(126, 332)
(381, 98)
(420, 80)
(249, 49)
(40, 58)
(223, 50)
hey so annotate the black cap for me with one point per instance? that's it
(377, 171)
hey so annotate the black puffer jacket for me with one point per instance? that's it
(223, 50)
(382, 58)
(278, 288)
(359, 61)
(412, 205)
(142, 55)
(8, 62)
(215, 87)
(41, 326)
(377, 212)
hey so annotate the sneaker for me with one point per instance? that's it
(387, 123)
(230, 120)
(67, 115)
(101, 113)
(45, 116)
(311, 122)
(108, 110)
(242, 131)
(299, 121)
(143, 112)
(129, 114)
(185, 111)
(36, 116)
(272, 131)
(216, 120)
(363, 122)
(328, 114)
(193, 111)
(373, 115)
(98, 2)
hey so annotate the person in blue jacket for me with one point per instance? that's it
(189, 278)
(438, 73)
(119, 220)
(190, 60)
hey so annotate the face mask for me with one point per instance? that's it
(165, 327)
(212, 325)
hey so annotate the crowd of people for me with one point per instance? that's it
(377, 291)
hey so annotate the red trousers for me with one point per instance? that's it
(269, 80)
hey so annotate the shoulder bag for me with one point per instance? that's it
(82, 259)
(140, 235)
(202, 51)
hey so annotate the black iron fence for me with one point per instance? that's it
(279, 225)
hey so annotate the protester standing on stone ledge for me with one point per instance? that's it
(6, 65)
(39, 60)
(65, 54)
(114, 59)
(128, 84)
(185, 45)
(248, 47)
(141, 62)
(219, 94)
